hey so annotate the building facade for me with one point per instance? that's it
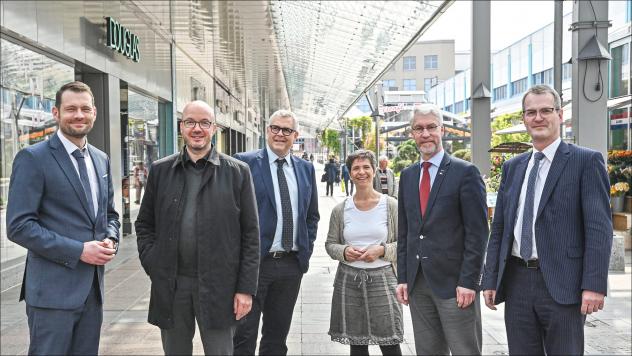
(144, 60)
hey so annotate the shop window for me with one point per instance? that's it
(620, 71)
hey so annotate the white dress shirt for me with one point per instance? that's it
(434, 167)
(92, 174)
(543, 171)
(292, 185)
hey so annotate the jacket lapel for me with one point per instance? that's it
(264, 168)
(516, 187)
(62, 158)
(301, 180)
(436, 185)
(415, 171)
(557, 167)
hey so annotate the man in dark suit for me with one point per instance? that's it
(442, 235)
(198, 240)
(287, 200)
(550, 243)
(61, 209)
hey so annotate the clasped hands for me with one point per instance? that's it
(98, 252)
(368, 254)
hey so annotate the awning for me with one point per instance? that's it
(520, 128)
(511, 147)
(616, 103)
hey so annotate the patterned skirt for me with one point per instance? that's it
(364, 309)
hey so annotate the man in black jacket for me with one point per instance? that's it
(198, 240)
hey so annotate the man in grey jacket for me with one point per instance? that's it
(384, 180)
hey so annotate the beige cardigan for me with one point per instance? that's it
(335, 244)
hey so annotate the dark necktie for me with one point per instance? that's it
(83, 175)
(287, 238)
(526, 235)
(424, 188)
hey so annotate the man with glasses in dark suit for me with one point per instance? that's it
(287, 200)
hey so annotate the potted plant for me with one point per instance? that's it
(617, 196)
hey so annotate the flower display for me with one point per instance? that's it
(619, 189)
(620, 172)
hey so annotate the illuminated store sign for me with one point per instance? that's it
(122, 40)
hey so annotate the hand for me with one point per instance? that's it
(401, 292)
(109, 243)
(372, 253)
(489, 296)
(97, 253)
(592, 302)
(352, 254)
(464, 297)
(242, 303)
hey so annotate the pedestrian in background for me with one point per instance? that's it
(551, 238)
(384, 180)
(140, 178)
(347, 180)
(363, 237)
(198, 240)
(287, 200)
(61, 208)
(442, 235)
(331, 171)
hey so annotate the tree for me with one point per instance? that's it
(362, 126)
(407, 153)
(506, 121)
(331, 140)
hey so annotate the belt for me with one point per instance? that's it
(531, 264)
(281, 254)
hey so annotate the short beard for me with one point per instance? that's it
(67, 131)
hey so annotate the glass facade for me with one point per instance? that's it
(29, 81)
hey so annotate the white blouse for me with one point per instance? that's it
(366, 228)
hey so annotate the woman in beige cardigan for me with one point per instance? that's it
(362, 236)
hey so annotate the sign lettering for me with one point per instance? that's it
(122, 40)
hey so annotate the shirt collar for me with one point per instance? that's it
(436, 159)
(186, 158)
(272, 157)
(69, 146)
(549, 151)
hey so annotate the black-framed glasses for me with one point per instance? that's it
(204, 124)
(418, 130)
(285, 130)
(544, 112)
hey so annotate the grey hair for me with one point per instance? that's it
(425, 109)
(361, 154)
(382, 158)
(285, 113)
(542, 89)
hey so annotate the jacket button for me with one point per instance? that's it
(421, 237)
(417, 256)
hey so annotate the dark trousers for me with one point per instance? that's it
(347, 183)
(361, 350)
(330, 188)
(536, 324)
(179, 339)
(67, 332)
(279, 284)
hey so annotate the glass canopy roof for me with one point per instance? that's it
(331, 51)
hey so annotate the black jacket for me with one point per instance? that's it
(227, 237)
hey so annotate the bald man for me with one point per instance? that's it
(198, 240)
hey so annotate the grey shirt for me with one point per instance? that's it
(187, 243)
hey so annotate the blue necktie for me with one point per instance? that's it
(83, 175)
(287, 236)
(526, 239)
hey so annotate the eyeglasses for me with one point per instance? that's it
(285, 130)
(544, 112)
(418, 130)
(204, 124)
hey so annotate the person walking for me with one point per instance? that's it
(198, 240)
(347, 180)
(549, 249)
(384, 181)
(363, 237)
(441, 245)
(331, 170)
(140, 178)
(61, 209)
(287, 199)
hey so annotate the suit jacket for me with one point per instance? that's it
(307, 203)
(449, 242)
(227, 237)
(573, 225)
(48, 214)
(390, 182)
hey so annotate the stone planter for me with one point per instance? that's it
(617, 203)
